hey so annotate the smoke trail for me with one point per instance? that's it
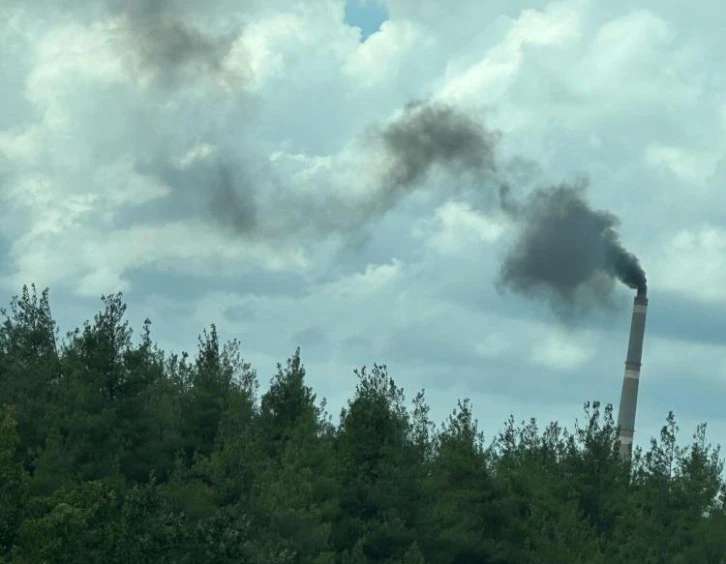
(167, 43)
(435, 134)
(234, 207)
(564, 250)
(565, 246)
(165, 38)
(422, 138)
(212, 184)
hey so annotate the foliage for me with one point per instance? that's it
(114, 451)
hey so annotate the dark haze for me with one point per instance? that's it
(429, 135)
(233, 206)
(422, 138)
(564, 248)
(565, 245)
(169, 44)
(564, 251)
(210, 184)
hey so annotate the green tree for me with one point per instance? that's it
(539, 473)
(206, 399)
(87, 435)
(288, 407)
(675, 500)
(148, 413)
(13, 488)
(467, 521)
(379, 497)
(297, 490)
(29, 368)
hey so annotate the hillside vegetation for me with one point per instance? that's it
(112, 451)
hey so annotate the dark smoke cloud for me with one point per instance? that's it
(231, 203)
(166, 34)
(167, 45)
(422, 138)
(211, 184)
(565, 250)
(429, 135)
(170, 45)
(564, 246)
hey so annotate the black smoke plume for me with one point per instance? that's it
(564, 248)
(429, 135)
(423, 138)
(169, 44)
(211, 184)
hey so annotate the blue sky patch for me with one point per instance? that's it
(368, 15)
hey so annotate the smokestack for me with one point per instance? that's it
(629, 394)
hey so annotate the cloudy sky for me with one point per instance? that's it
(236, 163)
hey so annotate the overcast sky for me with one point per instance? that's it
(221, 162)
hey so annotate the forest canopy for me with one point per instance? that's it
(112, 450)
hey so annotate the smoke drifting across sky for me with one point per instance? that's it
(163, 35)
(428, 135)
(565, 246)
(564, 250)
(423, 137)
(215, 182)
(167, 43)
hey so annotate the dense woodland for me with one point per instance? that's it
(113, 451)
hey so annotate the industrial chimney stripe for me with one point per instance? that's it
(631, 377)
(633, 373)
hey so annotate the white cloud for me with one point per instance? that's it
(694, 262)
(199, 151)
(624, 44)
(32, 191)
(690, 166)
(347, 306)
(64, 250)
(562, 351)
(260, 53)
(122, 185)
(375, 280)
(626, 66)
(377, 60)
(486, 80)
(662, 354)
(456, 228)
(494, 345)
(70, 54)
(21, 144)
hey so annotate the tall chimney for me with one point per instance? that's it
(629, 395)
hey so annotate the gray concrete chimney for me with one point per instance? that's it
(629, 394)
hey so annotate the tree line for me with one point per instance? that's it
(112, 450)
